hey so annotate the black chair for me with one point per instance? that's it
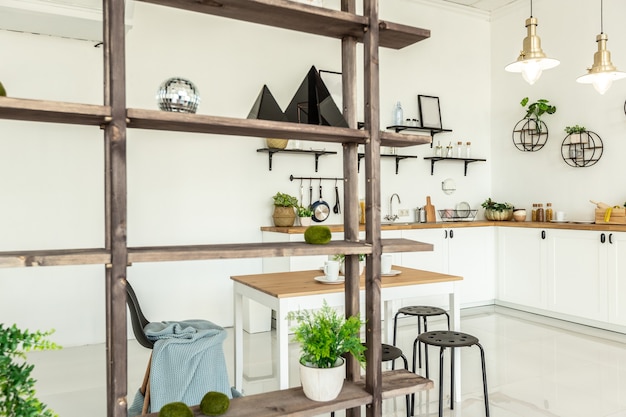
(139, 321)
(449, 339)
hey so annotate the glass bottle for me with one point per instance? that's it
(449, 150)
(398, 114)
(459, 149)
(533, 215)
(467, 149)
(540, 213)
(438, 150)
(549, 212)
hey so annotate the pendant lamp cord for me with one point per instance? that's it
(531, 8)
(601, 16)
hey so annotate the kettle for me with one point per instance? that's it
(420, 215)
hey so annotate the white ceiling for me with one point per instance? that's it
(486, 5)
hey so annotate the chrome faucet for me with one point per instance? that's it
(392, 217)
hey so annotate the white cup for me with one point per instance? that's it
(560, 216)
(386, 261)
(331, 270)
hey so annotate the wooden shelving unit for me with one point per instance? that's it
(115, 255)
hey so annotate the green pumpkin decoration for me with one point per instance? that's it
(317, 235)
(175, 409)
(214, 403)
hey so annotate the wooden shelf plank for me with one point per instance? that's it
(53, 111)
(54, 257)
(243, 250)
(401, 140)
(293, 403)
(302, 18)
(405, 245)
(197, 123)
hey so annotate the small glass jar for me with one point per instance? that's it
(438, 150)
(459, 149)
(467, 149)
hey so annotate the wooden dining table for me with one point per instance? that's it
(290, 291)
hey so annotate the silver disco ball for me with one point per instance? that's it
(178, 95)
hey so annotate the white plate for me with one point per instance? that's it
(463, 209)
(323, 280)
(391, 273)
(584, 221)
(560, 221)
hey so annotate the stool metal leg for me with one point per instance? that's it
(440, 380)
(482, 359)
(409, 409)
(452, 379)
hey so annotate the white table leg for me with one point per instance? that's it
(238, 302)
(282, 336)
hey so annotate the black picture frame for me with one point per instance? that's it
(430, 113)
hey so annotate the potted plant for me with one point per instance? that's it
(575, 133)
(17, 387)
(497, 211)
(535, 110)
(304, 214)
(341, 258)
(324, 338)
(284, 214)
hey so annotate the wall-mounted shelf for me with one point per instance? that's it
(318, 153)
(433, 130)
(582, 150)
(527, 138)
(467, 161)
(387, 155)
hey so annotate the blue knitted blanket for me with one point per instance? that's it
(187, 362)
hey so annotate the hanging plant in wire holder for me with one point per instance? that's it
(581, 147)
(531, 133)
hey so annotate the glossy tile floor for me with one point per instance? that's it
(534, 369)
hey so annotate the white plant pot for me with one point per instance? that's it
(322, 384)
(305, 221)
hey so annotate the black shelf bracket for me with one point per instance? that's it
(466, 161)
(317, 153)
(432, 130)
(397, 157)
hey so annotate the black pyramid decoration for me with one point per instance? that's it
(266, 108)
(312, 104)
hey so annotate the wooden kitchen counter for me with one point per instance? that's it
(443, 225)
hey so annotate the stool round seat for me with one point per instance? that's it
(448, 339)
(421, 311)
(390, 353)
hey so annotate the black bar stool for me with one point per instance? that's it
(391, 353)
(422, 313)
(448, 339)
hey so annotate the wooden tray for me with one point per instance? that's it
(618, 216)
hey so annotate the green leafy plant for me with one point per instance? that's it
(325, 336)
(536, 109)
(304, 211)
(17, 387)
(575, 129)
(489, 204)
(285, 200)
(341, 257)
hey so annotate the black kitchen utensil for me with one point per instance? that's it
(336, 207)
(321, 209)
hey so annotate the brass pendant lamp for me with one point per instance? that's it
(602, 73)
(532, 60)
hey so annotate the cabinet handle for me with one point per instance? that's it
(602, 238)
(451, 234)
(611, 238)
(445, 236)
(543, 234)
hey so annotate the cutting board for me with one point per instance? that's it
(430, 211)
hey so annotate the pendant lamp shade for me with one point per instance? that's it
(602, 73)
(532, 60)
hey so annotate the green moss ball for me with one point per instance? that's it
(317, 235)
(177, 409)
(214, 403)
(3, 92)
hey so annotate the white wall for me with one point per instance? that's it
(568, 30)
(192, 188)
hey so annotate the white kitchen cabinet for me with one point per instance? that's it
(464, 251)
(616, 270)
(522, 268)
